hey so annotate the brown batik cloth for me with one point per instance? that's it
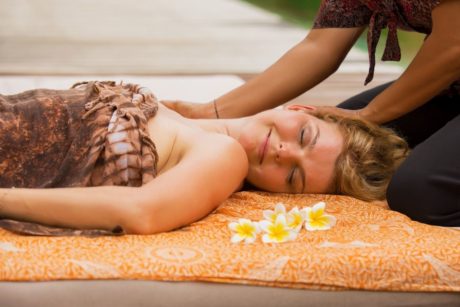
(93, 134)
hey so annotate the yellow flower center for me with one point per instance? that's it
(278, 232)
(318, 220)
(246, 230)
(296, 221)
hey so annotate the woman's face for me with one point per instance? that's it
(291, 151)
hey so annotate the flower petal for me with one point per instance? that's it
(236, 238)
(314, 227)
(257, 227)
(268, 214)
(244, 221)
(318, 208)
(292, 236)
(306, 212)
(332, 219)
(266, 239)
(280, 208)
(233, 226)
(281, 219)
(250, 240)
(295, 219)
(264, 225)
(297, 228)
(324, 222)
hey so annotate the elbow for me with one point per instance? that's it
(138, 217)
(333, 69)
(141, 229)
(141, 223)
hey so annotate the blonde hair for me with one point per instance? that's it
(370, 156)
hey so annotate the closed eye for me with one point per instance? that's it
(302, 132)
(293, 177)
(290, 177)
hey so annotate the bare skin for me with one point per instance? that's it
(194, 156)
(288, 150)
(169, 201)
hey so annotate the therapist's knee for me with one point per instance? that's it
(419, 194)
(404, 194)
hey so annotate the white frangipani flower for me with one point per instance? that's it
(316, 219)
(277, 231)
(295, 219)
(271, 215)
(280, 226)
(244, 230)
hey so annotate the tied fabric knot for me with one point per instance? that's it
(392, 51)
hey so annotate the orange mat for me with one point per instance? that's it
(370, 248)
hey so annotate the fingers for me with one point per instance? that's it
(189, 109)
(301, 107)
(337, 111)
(171, 104)
(179, 106)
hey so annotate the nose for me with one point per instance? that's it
(287, 152)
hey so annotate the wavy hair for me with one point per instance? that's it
(370, 156)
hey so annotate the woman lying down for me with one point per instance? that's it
(107, 158)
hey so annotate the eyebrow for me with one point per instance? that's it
(302, 172)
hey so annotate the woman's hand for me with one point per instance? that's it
(190, 109)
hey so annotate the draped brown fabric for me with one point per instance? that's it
(90, 135)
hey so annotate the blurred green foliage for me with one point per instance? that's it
(302, 13)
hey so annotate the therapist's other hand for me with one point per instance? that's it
(190, 109)
(312, 109)
(338, 111)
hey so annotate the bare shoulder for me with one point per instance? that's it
(223, 153)
(211, 168)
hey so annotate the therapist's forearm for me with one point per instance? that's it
(434, 68)
(427, 76)
(285, 80)
(301, 68)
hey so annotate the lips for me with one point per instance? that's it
(264, 147)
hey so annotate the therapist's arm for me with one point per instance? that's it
(305, 65)
(433, 69)
(301, 68)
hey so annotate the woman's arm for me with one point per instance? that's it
(180, 196)
(89, 207)
(301, 68)
(213, 170)
(433, 69)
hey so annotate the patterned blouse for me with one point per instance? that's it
(413, 15)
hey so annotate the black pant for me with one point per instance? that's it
(426, 187)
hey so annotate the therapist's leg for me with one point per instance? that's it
(426, 187)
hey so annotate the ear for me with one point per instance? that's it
(301, 107)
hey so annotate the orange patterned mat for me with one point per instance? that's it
(370, 248)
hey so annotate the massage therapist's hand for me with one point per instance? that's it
(191, 109)
(339, 111)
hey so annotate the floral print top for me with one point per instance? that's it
(412, 15)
